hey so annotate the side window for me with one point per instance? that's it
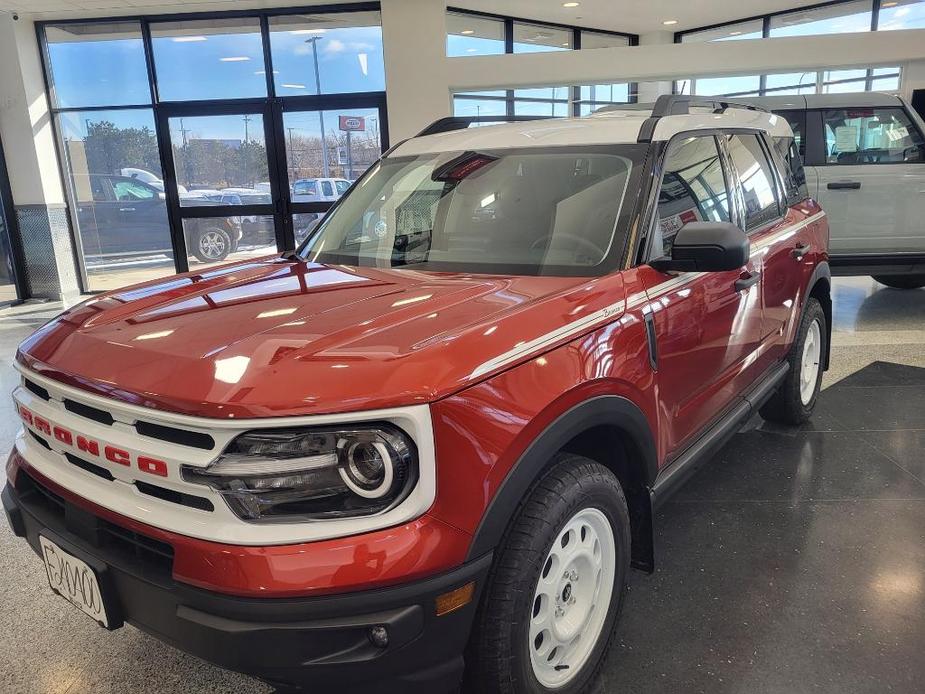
(342, 186)
(100, 189)
(793, 174)
(128, 190)
(693, 190)
(756, 179)
(797, 121)
(327, 188)
(871, 136)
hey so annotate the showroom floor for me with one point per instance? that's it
(795, 562)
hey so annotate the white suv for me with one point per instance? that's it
(864, 157)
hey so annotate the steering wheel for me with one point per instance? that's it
(597, 251)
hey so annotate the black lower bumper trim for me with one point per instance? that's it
(319, 644)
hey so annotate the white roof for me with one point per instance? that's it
(852, 100)
(616, 126)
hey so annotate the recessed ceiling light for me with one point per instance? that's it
(188, 39)
(734, 33)
(670, 22)
(570, 4)
(234, 59)
(467, 32)
(307, 31)
(471, 50)
(293, 86)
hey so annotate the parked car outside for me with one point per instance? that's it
(319, 189)
(428, 446)
(864, 157)
(256, 229)
(121, 217)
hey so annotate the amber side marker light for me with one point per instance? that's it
(452, 601)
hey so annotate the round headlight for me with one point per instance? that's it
(367, 469)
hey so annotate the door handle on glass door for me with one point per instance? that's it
(748, 281)
(800, 251)
(844, 185)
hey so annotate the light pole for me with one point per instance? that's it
(326, 172)
(247, 119)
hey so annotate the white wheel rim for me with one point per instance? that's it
(572, 598)
(809, 364)
(211, 244)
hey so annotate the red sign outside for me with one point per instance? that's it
(352, 123)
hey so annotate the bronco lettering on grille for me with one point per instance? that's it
(119, 456)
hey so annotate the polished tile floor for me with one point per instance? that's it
(794, 562)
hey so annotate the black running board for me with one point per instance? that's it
(675, 474)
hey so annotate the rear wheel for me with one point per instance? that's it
(551, 602)
(901, 281)
(795, 398)
(211, 244)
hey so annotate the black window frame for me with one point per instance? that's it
(271, 107)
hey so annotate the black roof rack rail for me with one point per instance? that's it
(450, 123)
(680, 105)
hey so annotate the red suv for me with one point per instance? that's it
(426, 448)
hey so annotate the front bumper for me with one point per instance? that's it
(320, 644)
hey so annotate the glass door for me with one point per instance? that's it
(223, 195)
(327, 148)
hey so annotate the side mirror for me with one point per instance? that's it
(706, 247)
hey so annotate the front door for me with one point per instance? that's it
(870, 179)
(706, 331)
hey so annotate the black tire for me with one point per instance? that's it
(498, 656)
(787, 405)
(211, 244)
(901, 281)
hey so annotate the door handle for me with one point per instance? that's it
(800, 251)
(126, 209)
(844, 185)
(748, 281)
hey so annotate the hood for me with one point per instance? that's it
(277, 338)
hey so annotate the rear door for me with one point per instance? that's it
(870, 164)
(706, 332)
(140, 214)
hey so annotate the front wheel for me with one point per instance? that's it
(552, 600)
(901, 281)
(796, 396)
(211, 245)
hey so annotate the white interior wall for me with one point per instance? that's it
(25, 121)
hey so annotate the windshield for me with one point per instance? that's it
(537, 211)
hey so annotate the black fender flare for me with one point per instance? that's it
(612, 410)
(823, 272)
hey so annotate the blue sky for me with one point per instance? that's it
(216, 66)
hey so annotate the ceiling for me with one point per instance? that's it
(632, 16)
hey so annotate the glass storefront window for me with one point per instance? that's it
(901, 14)
(209, 59)
(214, 240)
(787, 84)
(465, 105)
(597, 39)
(727, 86)
(534, 38)
(751, 29)
(118, 196)
(472, 35)
(327, 53)
(322, 168)
(841, 18)
(220, 160)
(97, 64)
